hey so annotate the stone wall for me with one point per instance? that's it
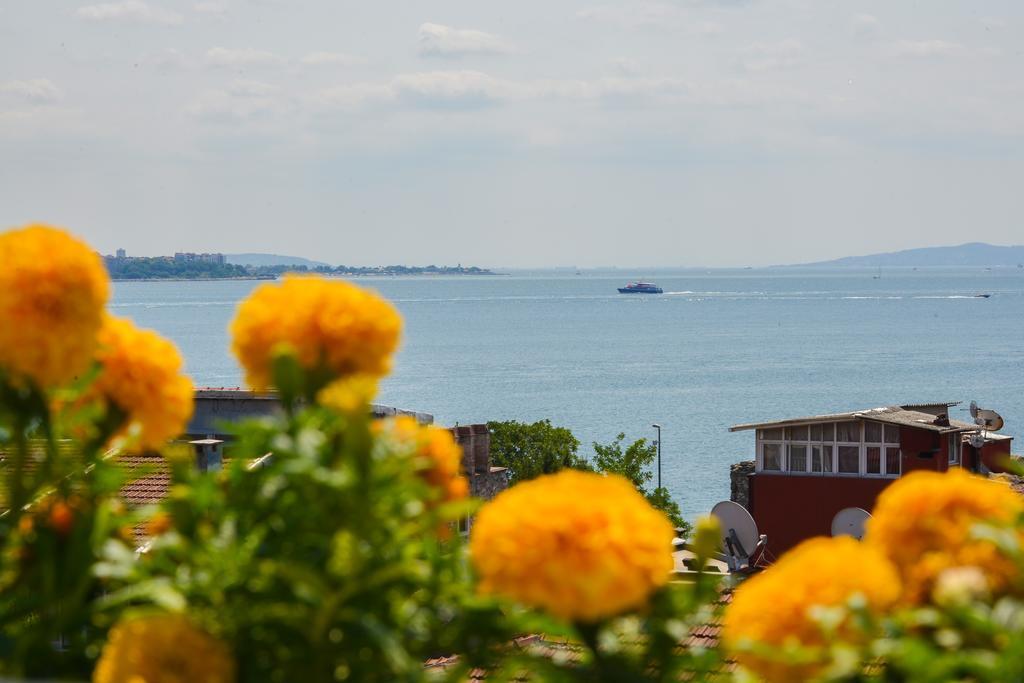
(739, 482)
(484, 481)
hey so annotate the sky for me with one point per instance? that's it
(528, 134)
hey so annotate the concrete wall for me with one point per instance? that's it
(216, 407)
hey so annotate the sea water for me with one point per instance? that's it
(718, 348)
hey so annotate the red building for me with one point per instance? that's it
(809, 468)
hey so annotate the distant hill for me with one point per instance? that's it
(271, 260)
(971, 254)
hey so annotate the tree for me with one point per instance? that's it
(634, 463)
(530, 450)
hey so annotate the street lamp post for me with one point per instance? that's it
(658, 427)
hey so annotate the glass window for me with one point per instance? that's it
(797, 433)
(772, 457)
(873, 463)
(798, 458)
(892, 461)
(818, 461)
(849, 459)
(828, 432)
(826, 458)
(872, 432)
(892, 434)
(772, 434)
(954, 448)
(815, 432)
(848, 431)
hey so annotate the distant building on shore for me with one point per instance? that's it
(189, 257)
(120, 254)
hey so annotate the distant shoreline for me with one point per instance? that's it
(300, 272)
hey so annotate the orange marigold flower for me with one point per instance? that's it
(924, 523)
(773, 612)
(158, 524)
(329, 325)
(141, 376)
(442, 455)
(52, 291)
(579, 545)
(165, 648)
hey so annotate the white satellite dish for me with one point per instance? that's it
(740, 539)
(989, 420)
(850, 522)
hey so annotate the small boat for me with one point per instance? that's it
(640, 288)
(982, 296)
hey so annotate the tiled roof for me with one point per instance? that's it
(705, 636)
(896, 415)
(149, 479)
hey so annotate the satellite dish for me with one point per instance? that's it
(740, 538)
(989, 420)
(850, 522)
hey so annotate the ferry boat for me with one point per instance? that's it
(640, 288)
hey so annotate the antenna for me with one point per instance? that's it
(740, 539)
(850, 522)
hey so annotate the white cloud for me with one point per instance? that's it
(226, 57)
(35, 91)
(784, 54)
(927, 48)
(245, 88)
(240, 101)
(327, 58)
(865, 26)
(471, 89)
(437, 39)
(129, 10)
(211, 7)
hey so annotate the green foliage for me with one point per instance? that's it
(143, 268)
(530, 450)
(59, 509)
(634, 463)
(661, 499)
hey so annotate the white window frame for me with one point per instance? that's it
(784, 444)
(954, 446)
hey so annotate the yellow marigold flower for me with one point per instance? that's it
(141, 375)
(349, 394)
(923, 523)
(443, 456)
(329, 325)
(579, 545)
(52, 291)
(164, 648)
(774, 610)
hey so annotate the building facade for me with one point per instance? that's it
(807, 469)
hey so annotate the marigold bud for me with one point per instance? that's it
(707, 537)
(62, 518)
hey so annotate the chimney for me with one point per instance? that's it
(209, 454)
